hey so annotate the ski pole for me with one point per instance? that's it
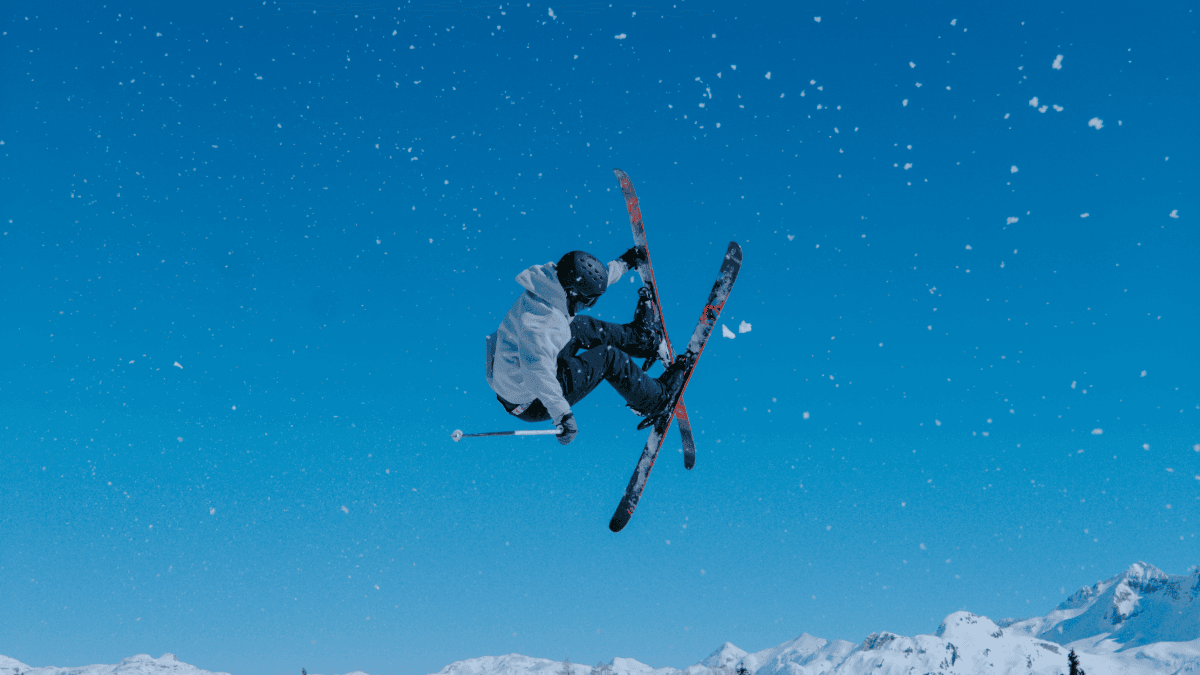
(458, 434)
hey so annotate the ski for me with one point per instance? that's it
(646, 271)
(704, 328)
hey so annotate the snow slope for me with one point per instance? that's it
(142, 664)
(1140, 622)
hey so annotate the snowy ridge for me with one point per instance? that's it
(1140, 622)
(141, 664)
(1139, 606)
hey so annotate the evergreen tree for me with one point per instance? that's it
(742, 670)
(1073, 662)
(602, 669)
(566, 668)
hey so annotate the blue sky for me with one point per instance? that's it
(950, 289)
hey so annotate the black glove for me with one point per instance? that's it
(633, 256)
(567, 429)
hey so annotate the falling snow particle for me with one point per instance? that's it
(1013, 169)
(177, 365)
(817, 19)
(211, 511)
(904, 102)
(1057, 65)
(725, 332)
(1011, 220)
(345, 510)
(1174, 213)
(1143, 373)
(1097, 431)
(743, 327)
(768, 75)
(620, 37)
(1096, 122)
(1084, 215)
(805, 415)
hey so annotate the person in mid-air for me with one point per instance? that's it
(533, 360)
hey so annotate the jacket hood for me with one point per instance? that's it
(542, 281)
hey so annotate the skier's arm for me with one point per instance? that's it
(628, 261)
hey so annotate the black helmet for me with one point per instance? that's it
(583, 277)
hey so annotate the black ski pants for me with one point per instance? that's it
(609, 352)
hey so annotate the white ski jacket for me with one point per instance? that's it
(522, 356)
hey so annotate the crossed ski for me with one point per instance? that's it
(708, 320)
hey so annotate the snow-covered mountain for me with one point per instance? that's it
(142, 664)
(1140, 622)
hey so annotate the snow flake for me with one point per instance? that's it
(1084, 215)
(619, 37)
(1097, 431)
(345, 510)
(743, 327)
(1057, 65)
(1013, 169)
(725, 332)
(911, 64)
(178, 365)
(1011, 220)
(1174, 213)
(1033, 102)
(1096, 122)
(768, 75)
(805, 416)
(904, 102)
(791, 237)
(211, 511)
(817, 19)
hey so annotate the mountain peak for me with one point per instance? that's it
(727, 655)
(1139, 606)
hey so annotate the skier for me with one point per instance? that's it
(533, 363)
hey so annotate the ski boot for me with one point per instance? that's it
(672, 381)
(647, 322)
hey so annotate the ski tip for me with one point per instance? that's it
(734, 251)
(619, 520)
(689, 462)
